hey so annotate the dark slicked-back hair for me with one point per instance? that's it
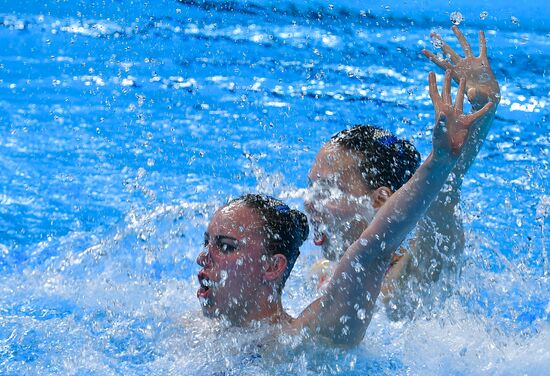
(285, 228)
(385, 160)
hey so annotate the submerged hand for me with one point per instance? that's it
(481, 85)
(451, 124)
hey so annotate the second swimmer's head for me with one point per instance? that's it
(354, 173)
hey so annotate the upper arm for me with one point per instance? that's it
(330, 330)
(343, 313)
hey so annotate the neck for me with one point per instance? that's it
(264, 309)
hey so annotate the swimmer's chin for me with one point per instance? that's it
(210, 312)
(208, 309)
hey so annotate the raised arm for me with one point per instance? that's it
(343, 313)
(439, 235)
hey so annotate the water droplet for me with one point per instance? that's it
(140, 99)
(150, 162)
(4, 250)
(457, 18)
(436, 42)
(357, 267)
(361, 314)
(515, 20)
(484, 77)
(141, 172)
(483, 15)
(223, 275)
(344, 319)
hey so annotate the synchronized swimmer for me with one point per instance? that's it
(365, 197)
(358, 169)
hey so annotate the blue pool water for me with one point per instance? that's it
(124, 125)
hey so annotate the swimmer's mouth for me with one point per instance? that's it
(319, 232)
(319, 238)
(205, 284)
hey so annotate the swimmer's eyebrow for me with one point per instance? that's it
(219, 237)
(224, 237)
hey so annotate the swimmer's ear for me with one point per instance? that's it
(275, 267)
(380, 196)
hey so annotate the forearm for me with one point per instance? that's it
(343, 313)
(479, 94)
(471, 149)
(439, 239)
(439, 234)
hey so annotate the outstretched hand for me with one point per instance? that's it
(481, 85)
(451, 124)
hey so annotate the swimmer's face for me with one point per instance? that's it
(338, 201)
(231, 274)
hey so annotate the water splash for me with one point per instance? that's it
(98, 260)
(456, 18)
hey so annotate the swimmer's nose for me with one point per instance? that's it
(313, 208)
(308, 205)
(313, 200)
(203, 259)
(309, 202)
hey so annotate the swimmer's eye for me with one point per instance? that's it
(326, 184)
(225, 244)
(226, 247)
(334, 182)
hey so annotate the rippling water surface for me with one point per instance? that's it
(123, 126)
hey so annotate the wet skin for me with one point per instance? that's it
(247, 290)
(481, 87)
(236, 279)
(338, 202)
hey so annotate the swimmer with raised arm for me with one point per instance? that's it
(252, 243)
(356, 172)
